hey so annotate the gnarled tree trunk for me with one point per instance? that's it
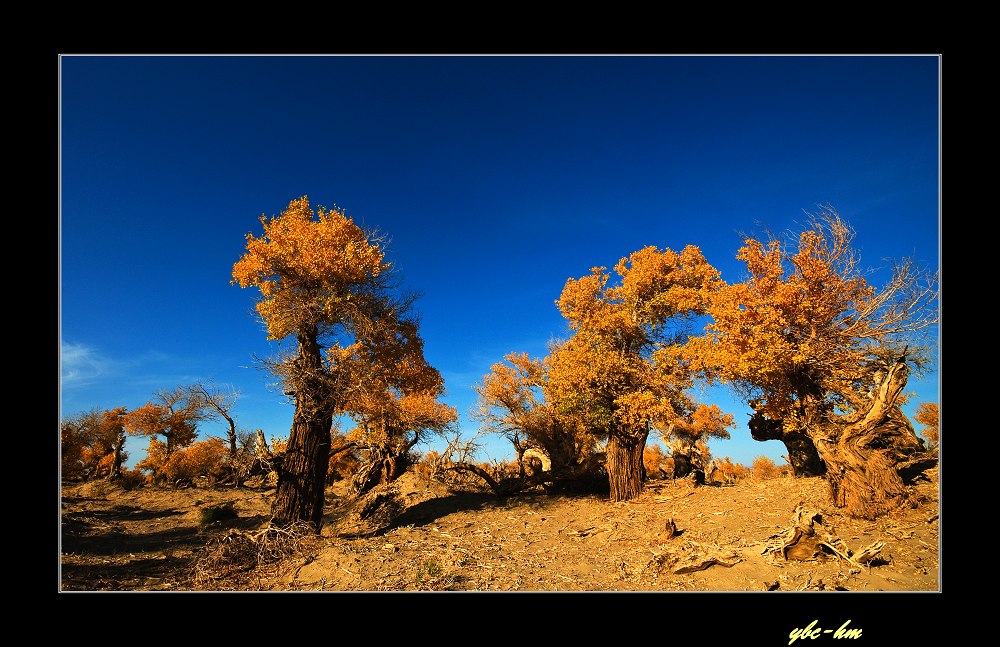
(385, 464)
(802, 454)
(302, 478)
(626, 472)
(685, 465)
(119, 452)
(863, 450)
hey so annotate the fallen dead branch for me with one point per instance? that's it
(803, 541)
(691, 557)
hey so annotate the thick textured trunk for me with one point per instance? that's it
(862, 451)
(802, 454)
(624, 465)
(302, 477)
(561, 449)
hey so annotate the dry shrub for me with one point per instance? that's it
(764, 469)
(99, 489)
(432, 576)
(502, 469)
(728, 473)
(427, 465)
(131, 479)
(218, 512)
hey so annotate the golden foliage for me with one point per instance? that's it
(806, 320)
(654, 459)
(604, 371)
(201, 459)
(727, 472)
(92, 444)
(928, 415)
(765, 468)
(344, 460)
(395, 393)
(305, 264)
(512, 403)
(176, 425)
(279, 445)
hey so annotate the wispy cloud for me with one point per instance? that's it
(80, 365)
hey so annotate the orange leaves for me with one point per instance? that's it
(92, 443)
(306, 265)
(148, 419)
(511, 387)
(605, 371)
(581, 299)
(806, 332)
(176, 426)
(421, 410)
(928, 415)
(662, 284)
(204, 458)
(706, 421)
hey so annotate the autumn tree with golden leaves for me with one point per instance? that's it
(823, 357)
(512, 405)
(396, 402)
(687, 437)
(93, 444)
(928, 415)
(615, 371)
(325, 284)
(174, 416)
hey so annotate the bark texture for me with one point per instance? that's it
(802, 454)
(302, 477)
(863, 450)
(624, 465)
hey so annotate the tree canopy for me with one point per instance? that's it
(822, 355)
(605, 373)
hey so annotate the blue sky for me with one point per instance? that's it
(496, 178)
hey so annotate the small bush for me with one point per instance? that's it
(132, 479)
(431, 576)
(764, 468)
(100, 489)
(219, 512)
(729, 473)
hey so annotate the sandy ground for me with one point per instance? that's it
(433, 538)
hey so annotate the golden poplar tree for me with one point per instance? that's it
(512, 405)
(928, 415)
(324, 283)
(621, 370)
(823, 357)
(396, 401)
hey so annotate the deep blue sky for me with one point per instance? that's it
(496, 178)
